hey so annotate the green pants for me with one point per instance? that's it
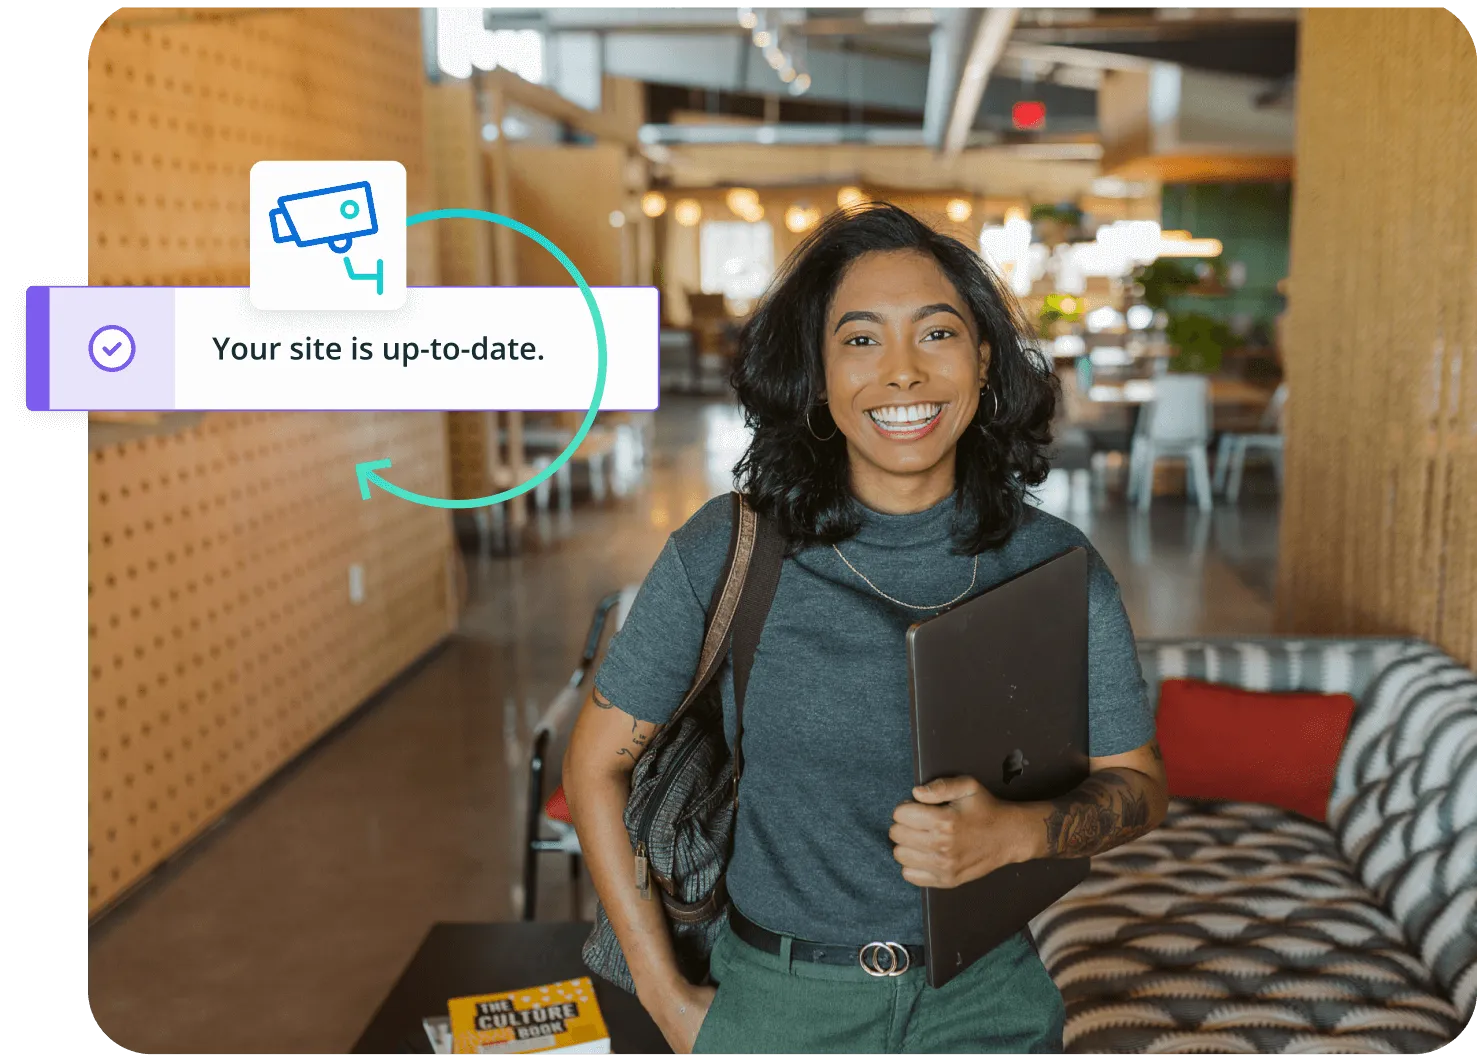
(1005, 1001)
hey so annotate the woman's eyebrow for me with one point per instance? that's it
(922, 313)
(933, 309)
(858, 316)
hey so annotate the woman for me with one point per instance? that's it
(898, 418)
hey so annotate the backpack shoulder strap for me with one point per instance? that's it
(725, 602)
(748, 622)
(736, 615)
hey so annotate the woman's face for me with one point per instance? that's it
(903, 365)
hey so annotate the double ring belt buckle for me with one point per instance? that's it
(869, 958)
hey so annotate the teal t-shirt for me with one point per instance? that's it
(827, 749)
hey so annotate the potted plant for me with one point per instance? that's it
(1162, 279)
(1057, 307)
(1055, 224)
(1198, 341)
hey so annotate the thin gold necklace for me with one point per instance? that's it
(916, 607)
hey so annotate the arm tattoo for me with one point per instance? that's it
(600, 701)
(638, 739)
(1106, 810)
(1154, 748)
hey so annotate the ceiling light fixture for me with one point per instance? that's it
(1191, 247)
(653, 203)
(801, 218)
(687, 212)
(741, 200)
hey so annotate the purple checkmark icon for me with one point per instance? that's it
(104, 355)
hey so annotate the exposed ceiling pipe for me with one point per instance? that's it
(985, 49)
(954, 28)
(679, 135)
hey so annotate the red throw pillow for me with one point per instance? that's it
(1277, 748)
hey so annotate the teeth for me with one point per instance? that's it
(912, 414)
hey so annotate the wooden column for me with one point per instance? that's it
(1379, 517)
(454, 141)
(505, 266)
(645, 251)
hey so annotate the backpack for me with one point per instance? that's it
(684, 787)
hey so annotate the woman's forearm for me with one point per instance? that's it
(1111, 807)
(597, 803)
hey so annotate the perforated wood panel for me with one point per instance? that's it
(222, 636)
(182, 104)
(1379, 520)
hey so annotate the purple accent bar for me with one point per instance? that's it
(38, 348)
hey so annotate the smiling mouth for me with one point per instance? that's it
(907, 422)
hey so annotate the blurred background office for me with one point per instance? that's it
(1244, 238)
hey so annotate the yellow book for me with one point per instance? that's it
(562, 1016)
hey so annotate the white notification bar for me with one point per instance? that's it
(447, 348)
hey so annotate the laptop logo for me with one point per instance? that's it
(1014, 765)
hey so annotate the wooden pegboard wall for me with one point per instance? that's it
(222, 639)
(221, 635)
(181, 105)
(1379, 515)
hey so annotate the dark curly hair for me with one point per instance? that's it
(803, 483)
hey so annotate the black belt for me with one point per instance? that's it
(881, 959)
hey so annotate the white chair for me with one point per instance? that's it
(1230, 457)
(1175, 425)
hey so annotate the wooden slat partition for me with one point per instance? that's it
(1379, 518)
(454, 137)
(222, 637)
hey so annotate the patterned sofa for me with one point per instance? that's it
(1245, 928)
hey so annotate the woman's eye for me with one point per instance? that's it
(939, 334)
(858, 339)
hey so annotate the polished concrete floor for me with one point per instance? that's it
(282, 929)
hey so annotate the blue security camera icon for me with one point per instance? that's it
(332, 216)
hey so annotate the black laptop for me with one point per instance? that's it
(999, 693)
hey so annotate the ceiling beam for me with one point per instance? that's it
(550, 103)
(1060, 55)
(990, 37)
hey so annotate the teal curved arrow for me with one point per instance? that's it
(365, 472)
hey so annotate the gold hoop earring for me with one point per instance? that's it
(809, 428)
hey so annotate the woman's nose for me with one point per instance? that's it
(900, 367)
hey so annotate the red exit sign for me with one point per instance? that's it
(1028, 116)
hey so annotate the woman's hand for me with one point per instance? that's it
(681, 1015)
(955, 832)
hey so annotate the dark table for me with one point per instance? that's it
(468, 959)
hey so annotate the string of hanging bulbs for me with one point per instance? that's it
(787, 63)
